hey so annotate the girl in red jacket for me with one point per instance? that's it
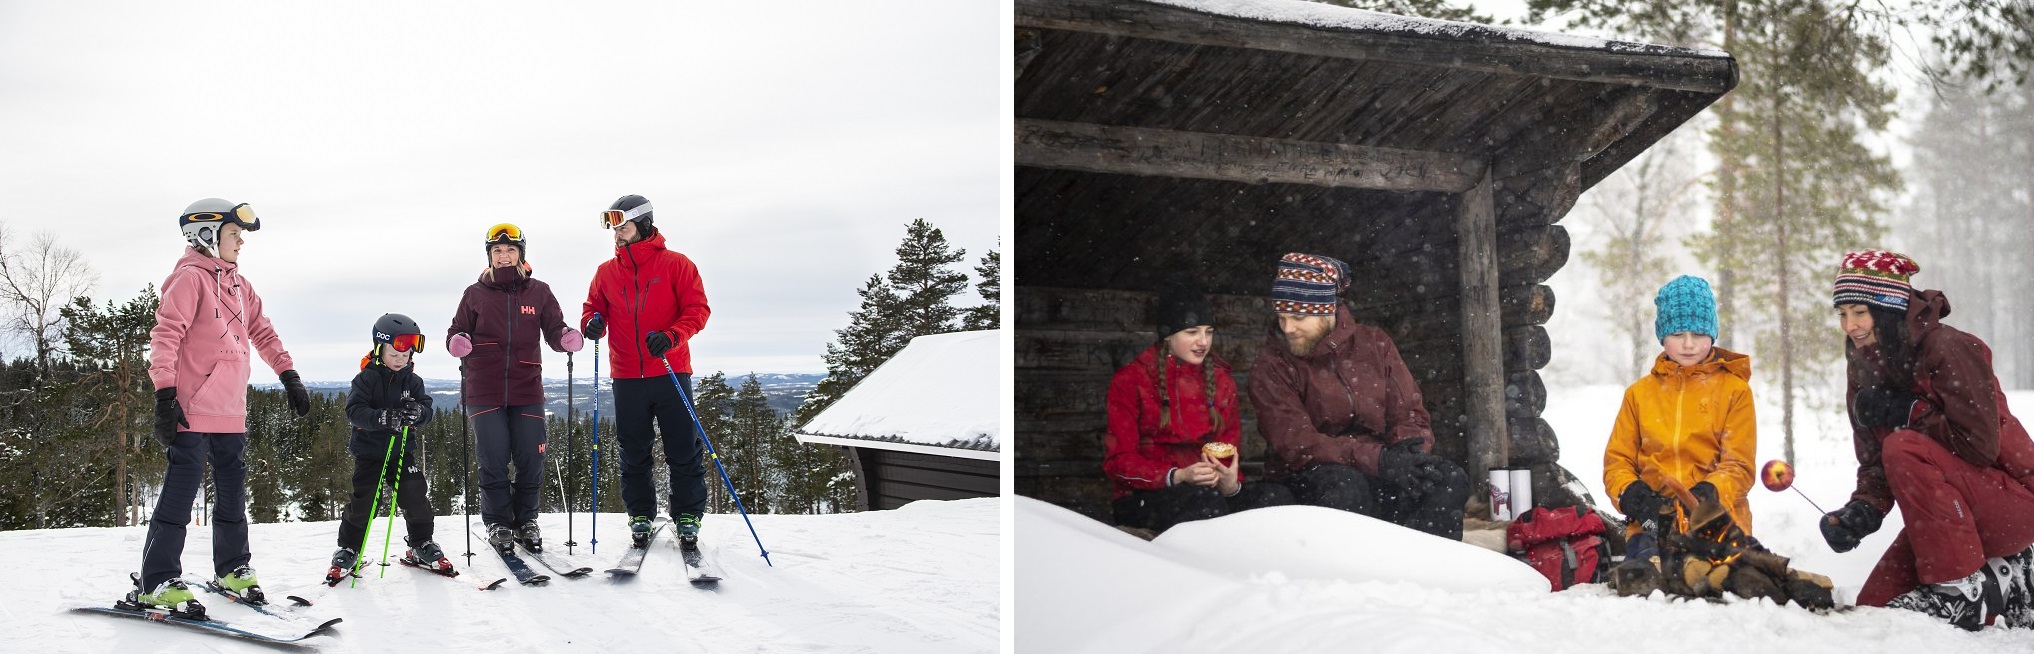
(1933, 435)
(1171, 412)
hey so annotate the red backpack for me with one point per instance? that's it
(1565, 544)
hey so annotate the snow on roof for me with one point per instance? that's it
(1318, 14)
(941, 394)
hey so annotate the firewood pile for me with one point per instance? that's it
(1712, 557)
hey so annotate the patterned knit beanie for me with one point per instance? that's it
(1685, 305)
(1877, 278)
(1308, 284)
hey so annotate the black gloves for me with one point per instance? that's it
(1878, 406)
(413, 413)
(1402, 464)
(595, 328)
(1846, 527)
(1641, 503)
(659, 343)
(168, 416)
(300, 399)
(389, 419)
(407, 414)
(1704, 492)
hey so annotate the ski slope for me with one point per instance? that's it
(922, 578)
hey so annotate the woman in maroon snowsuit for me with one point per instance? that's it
(1933, 435)
(1164, 408)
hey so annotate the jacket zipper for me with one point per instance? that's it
(636, 312)
(1680, 401)
(508, 349)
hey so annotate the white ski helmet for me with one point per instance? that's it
(202, 221)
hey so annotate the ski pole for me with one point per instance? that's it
(388, 526)
(694, 412)
(594, 510)
(571, 451)
(373, 508)
(466, 475)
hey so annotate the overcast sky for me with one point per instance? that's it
(784, 144)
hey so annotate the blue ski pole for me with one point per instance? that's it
(593, 540)
(694, 412)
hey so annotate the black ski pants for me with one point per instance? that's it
(1159, 510)
(402, 475)
(504, 435)
(1336, 486)
(162, 554)
(636, 403)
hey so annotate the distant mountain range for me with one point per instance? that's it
(785, 390)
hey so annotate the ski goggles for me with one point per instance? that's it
(504, 232)
(613, 218)
(407, 342)
(241, 214)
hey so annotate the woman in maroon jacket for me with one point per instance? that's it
(1933, 435)
(1165, 409)
(495, 333)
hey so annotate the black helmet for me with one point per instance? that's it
(631, 207)
(510, 234)
(398, 330)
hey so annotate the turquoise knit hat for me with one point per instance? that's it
(1685, 305)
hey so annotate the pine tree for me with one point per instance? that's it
(752, 426)
(989, 315)
(914, 299)
(715, 402)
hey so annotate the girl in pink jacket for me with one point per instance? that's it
(208, 320)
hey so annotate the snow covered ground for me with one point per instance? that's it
(1298, 579)
(923, 578)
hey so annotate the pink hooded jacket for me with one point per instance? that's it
(208, 317)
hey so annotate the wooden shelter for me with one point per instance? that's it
(925, 425)
(1435, 157)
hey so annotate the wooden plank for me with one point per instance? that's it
(1471, 48)
(981, 485)
(1250, 160)
(1482, 334)
(909, 491)
(954, 463)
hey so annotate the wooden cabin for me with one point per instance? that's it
(925, 425)
(1436, 158)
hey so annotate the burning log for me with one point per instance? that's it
(1713, 556)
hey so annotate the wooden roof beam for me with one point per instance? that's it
(1199, 155)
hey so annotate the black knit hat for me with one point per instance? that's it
(1181, 305)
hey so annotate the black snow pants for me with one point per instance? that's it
(636, 403)
(411, 495)
(1159, 510)
(162, 553)
(1336, 486)
(504, 435)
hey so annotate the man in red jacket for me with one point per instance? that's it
(1342, 415)
(652, 301)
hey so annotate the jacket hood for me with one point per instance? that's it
(1925, 312)
(640, 251)
(1721, 361)
(194, 259)
(493, 278)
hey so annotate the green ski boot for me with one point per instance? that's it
(171, 597)
(639, 529)
(240, 584)
(688, 530)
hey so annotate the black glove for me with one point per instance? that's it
(300, 399)
(1641, 503)
(659, 343)
(168, 416)
(389, 419)
(595, 328)
(1846, 527)
(1704, 492)
(1879, 406)
(412, 413)
(1402, 464)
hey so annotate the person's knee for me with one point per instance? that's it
(1454, 487)
(1906, 447)
(1337, 487)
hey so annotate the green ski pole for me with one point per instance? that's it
(373, 507)
(388, 528)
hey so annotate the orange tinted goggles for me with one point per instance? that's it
(407, 342)
(613, 218)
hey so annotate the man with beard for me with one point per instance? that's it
(1341, 414)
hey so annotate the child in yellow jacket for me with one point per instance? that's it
(1690, 420)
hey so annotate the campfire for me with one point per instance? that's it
(1713, 556)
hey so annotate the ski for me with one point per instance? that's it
(525, 575)
(214, 588)
(556, 565)
(698, 570)
(126, 609)
(632, 560)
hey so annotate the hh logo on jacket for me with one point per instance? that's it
(529, 311)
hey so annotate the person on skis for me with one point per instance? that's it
(208, 320)
(652, 300)
(387, 398)
(494, 333)
(1933, 435)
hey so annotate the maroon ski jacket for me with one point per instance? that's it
(505, 314)
(1343, 403)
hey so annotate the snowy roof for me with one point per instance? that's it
(941, 394)
(1318, 14)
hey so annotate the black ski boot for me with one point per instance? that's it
(343, 563)
(502, 538)
(640, 529)
(1968, 603)
(530, 537)
(2016, 587)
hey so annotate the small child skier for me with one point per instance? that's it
(1689, 419)
(388, 396)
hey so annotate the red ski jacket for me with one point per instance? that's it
(1139, 454)
(647, 288)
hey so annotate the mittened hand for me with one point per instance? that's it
(596, 327)
(571, 341)
(459, 345)
(1704, 492)
(168, 416)
(1640, 502)
(1404, 466)
(413, 413)
(659, 343)
(300, 398)
(1846, 527)
(389, 419)
(1879, 406)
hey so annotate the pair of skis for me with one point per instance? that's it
(698, 571)
(277, 627)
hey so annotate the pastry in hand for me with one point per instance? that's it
(1219, 450)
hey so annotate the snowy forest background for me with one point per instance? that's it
(76, 405)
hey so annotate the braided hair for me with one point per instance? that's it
(1161, 362)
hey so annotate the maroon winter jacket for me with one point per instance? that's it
(505, 314)
(1343, 403)
(647, 288)
(1140, 454)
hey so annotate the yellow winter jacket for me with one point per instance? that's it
(1693, 424)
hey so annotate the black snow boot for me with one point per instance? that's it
(502, 538)
(2015, 574)
(1969, 602)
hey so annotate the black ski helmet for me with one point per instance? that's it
(510, 234)
(392, 325)
(639, 208)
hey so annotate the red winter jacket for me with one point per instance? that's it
(1342, 404)
(505, 315)
(1139, 454)
(647, 288)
